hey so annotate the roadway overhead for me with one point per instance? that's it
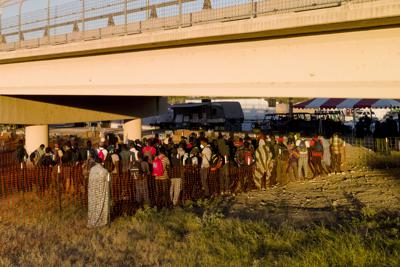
(348, 51)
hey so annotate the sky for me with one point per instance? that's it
(34, 13)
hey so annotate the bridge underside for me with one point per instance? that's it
(362, 63)
(31, 110)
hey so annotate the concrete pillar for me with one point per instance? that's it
(132, 130)
(35, 136)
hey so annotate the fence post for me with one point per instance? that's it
(48, 19)
(20, 34)
(59, 187)
(126, 15)
(180, 13)
(83, 19)
(22, 181)
(109, 198)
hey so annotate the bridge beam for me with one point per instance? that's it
(38, 110)
(363, 63)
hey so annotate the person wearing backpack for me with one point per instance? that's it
(149, 150)
(317, 152)
(176, 176)
(140, 171)
(303, 146)
(47, 159)
(161, 166)
(224, 151)
(37, 155)
(102, 153)
(206, 154)
(282, 160)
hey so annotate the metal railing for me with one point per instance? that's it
(96, 19)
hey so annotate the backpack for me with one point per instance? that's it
(158, 168)
(46, 161)
(187, 160)
(216, 162)
(108, 163)
(317, 147)
(284, 153)
(244, 157)
(248, 158)
(101, 156)
(303, 147)
(136, 170)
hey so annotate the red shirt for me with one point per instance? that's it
(312, 144)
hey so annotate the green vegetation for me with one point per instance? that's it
(199, 234)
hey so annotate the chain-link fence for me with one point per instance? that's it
(94, 19)
(67, 186)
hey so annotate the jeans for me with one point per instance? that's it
(302, 166)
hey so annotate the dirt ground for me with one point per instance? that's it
(321, 200)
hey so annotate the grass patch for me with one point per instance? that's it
(195, 235)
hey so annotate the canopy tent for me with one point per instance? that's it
(350, 103)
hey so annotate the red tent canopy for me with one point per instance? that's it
(334, 103)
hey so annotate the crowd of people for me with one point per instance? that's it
(273, 160)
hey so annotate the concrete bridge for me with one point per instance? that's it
(318, 48)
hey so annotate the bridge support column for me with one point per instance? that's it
(132, 130)
(35, 136)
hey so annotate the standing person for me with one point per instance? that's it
(206, 154)
(37, 155)
(223, 150)
(271, 143)
(102, 153)
(263, 164)
(134, 149)
(337, 150)
(99, 196)
(88, 152)
(293, 166)
(149, 151)
(282, 160)
(125, 156)
(68, 155)
(176, 177)
(21, 154)
(140, 172)
(326, 158)
(115, 161)
(317, 152)
(58, 154)
(303, 146)
(161, 166)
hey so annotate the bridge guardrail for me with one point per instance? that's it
(102, 19)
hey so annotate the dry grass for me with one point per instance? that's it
(196, 235)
